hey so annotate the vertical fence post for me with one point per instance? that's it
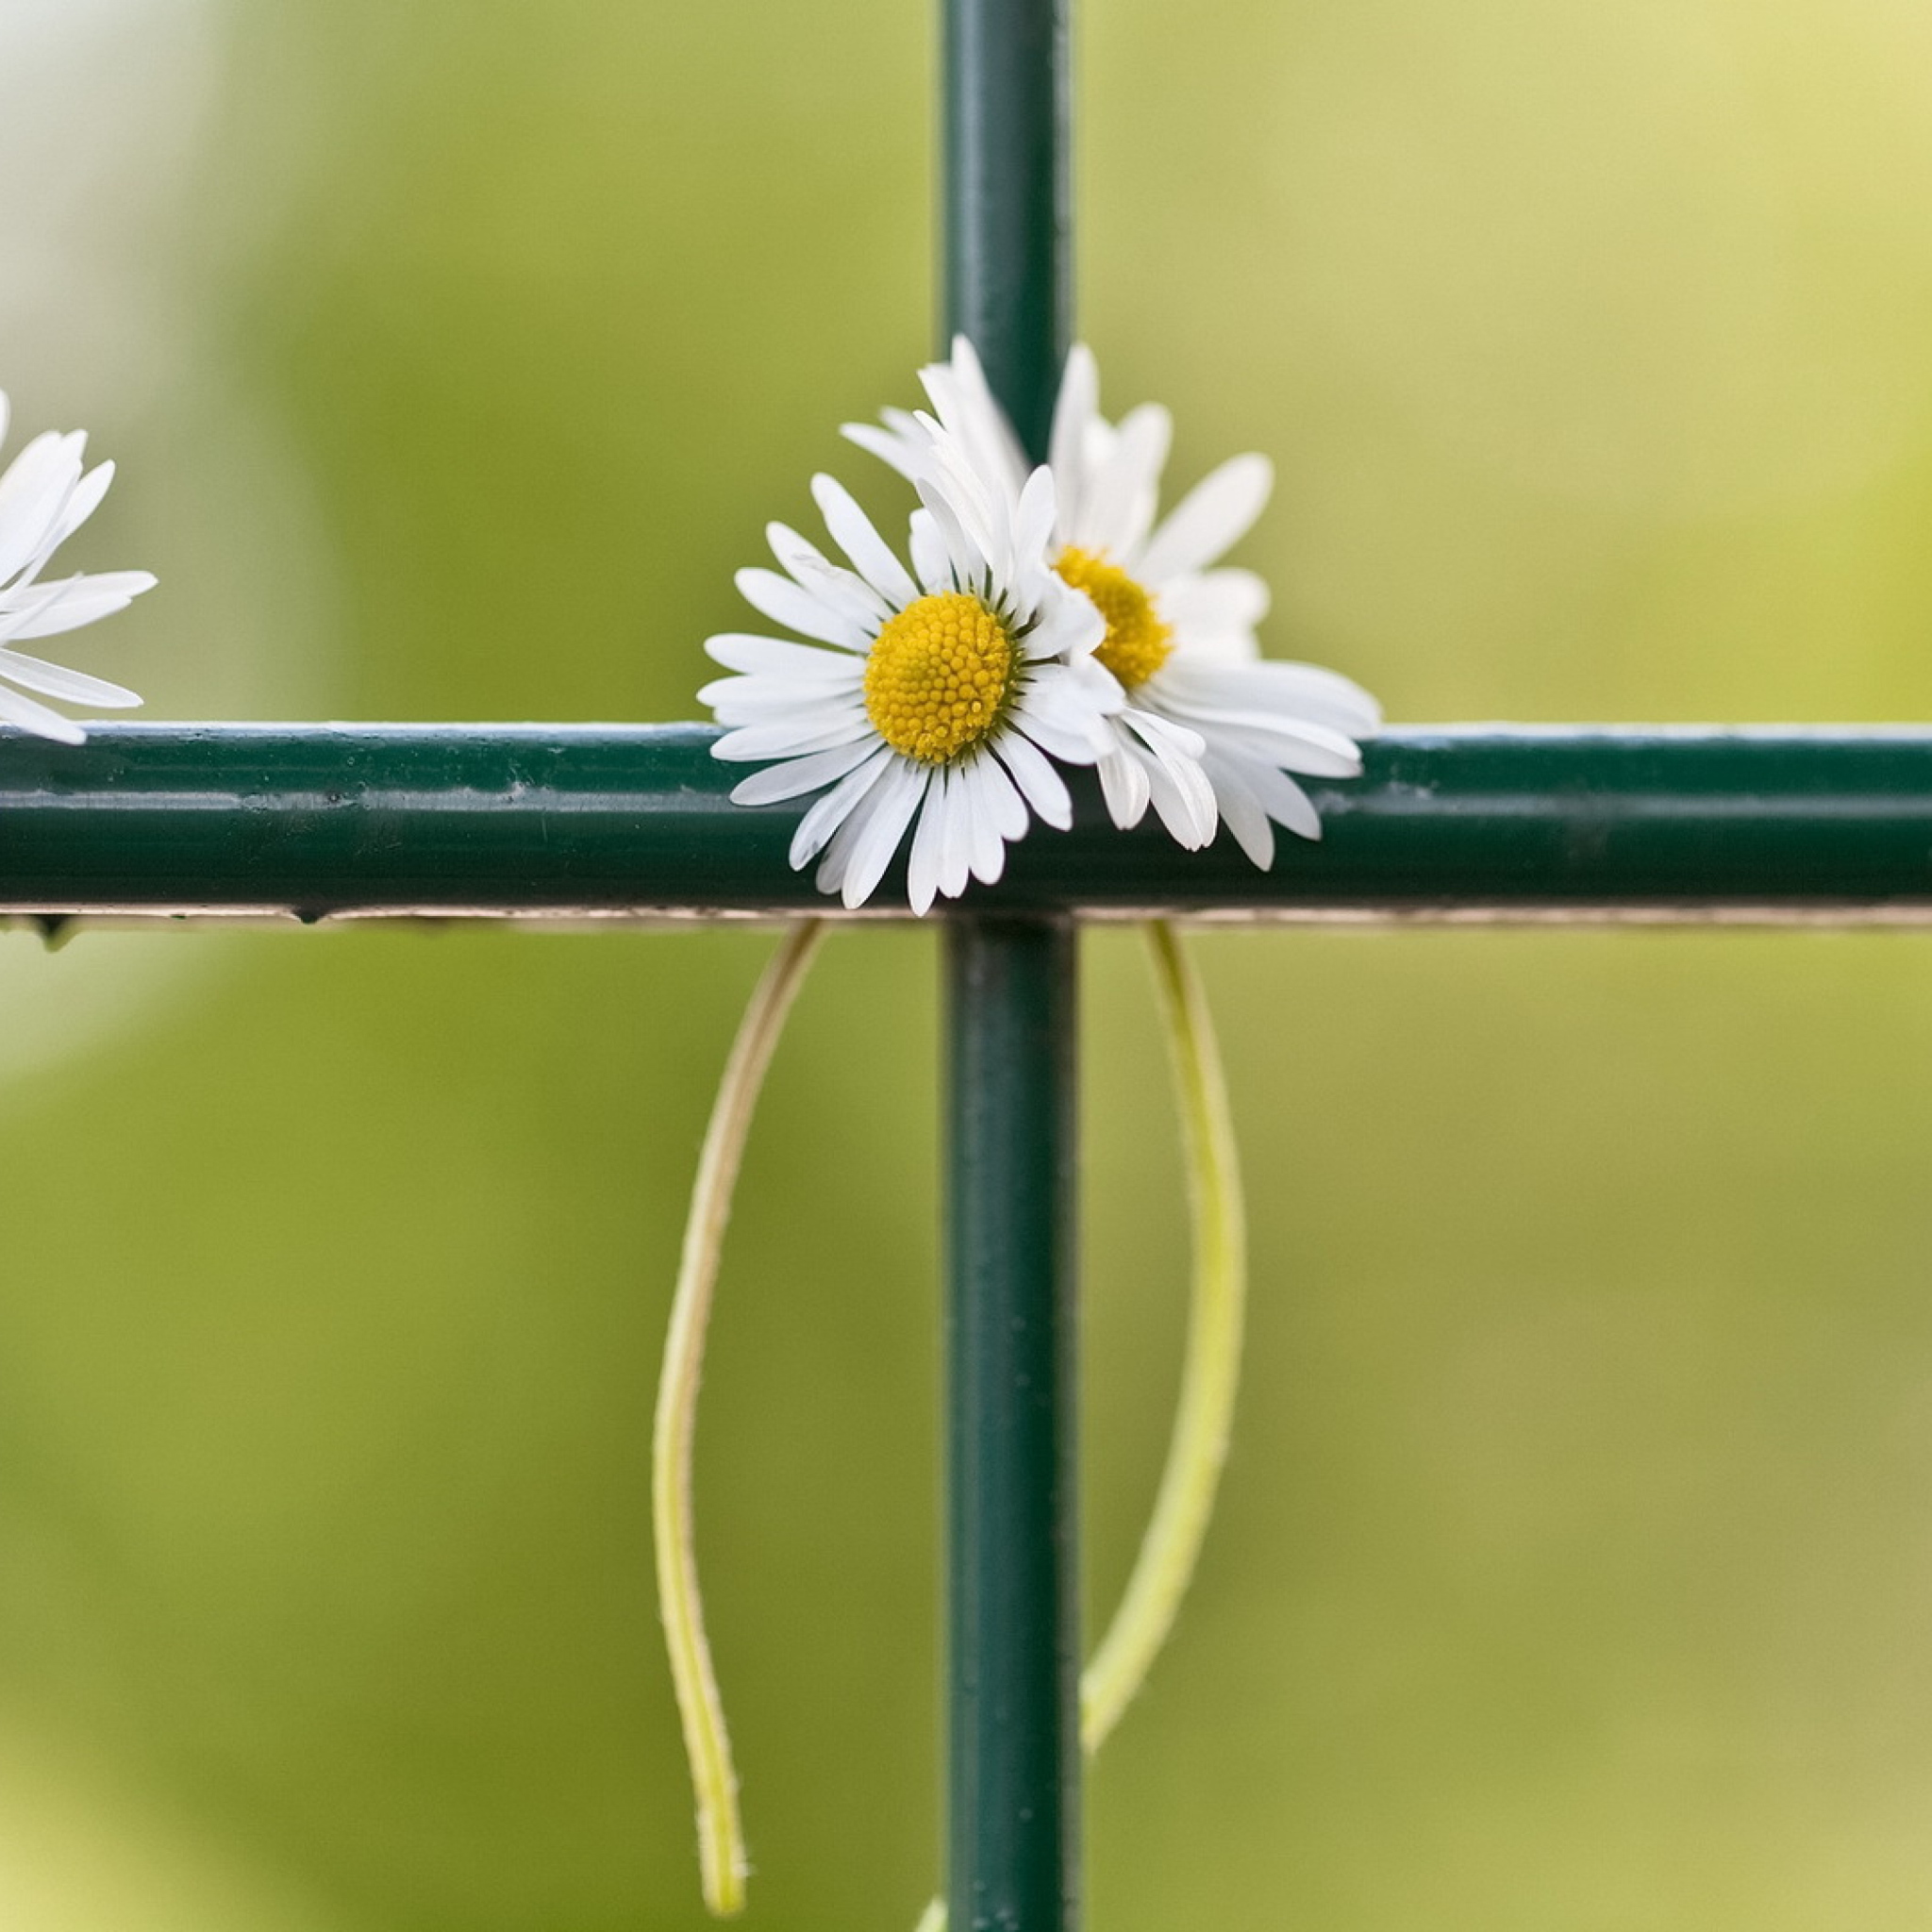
(1013, 1753)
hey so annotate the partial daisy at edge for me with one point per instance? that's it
(1211, 732)
(927, 701)
(46, 494)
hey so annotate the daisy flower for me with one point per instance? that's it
(1211, 732)
(46, 496)
(928, 701)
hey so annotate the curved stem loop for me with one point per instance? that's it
(721, 1834)
(1212, 1372)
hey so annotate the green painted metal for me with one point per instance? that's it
(1013, 1727)
(572, 819)
(1007, 278)
(1013, 1659)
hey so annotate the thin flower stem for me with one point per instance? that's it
(1212, 1371)
(1209, 1375)
(720, 1835)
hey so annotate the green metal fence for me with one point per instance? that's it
(572, 822)
(1781, 825)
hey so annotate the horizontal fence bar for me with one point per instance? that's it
(589, 821)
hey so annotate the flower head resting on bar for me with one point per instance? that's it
(1208, 731)
(930, 701)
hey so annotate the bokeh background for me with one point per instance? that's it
(1575, 1573)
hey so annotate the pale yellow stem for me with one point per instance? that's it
(1210, 1373)
(721, 1836)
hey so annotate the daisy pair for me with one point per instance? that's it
(1051, 613)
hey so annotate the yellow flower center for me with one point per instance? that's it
(1137, 643)
(939, 677)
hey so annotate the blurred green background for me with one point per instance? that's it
(1575, 1573)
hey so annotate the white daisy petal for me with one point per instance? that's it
(1008, 808)
(1176, 807)
(1162, 733)
(967, 412)
(754, 743)
(1059, 704)
(929, 558)
(893, 801)
(779, 657)
(81, 600)
(965, 557)
(1137, 518)
(760, 694)
(1284, 801)
(1098, 685)
(44, 498)
(1124, 784)
(936, 379)
(36, 718)
(1296, 742)
(1097, 445)
(24, 605)
(1070, 627)
(1289, 752)
(896, 451)
(853, 532)
(839, 590)
(1057, 741)
(843, 846)
(1117, 502)
(1070, 748)
(1298, 691)
(1213, 517)
(922, 862)
(33, 492)
(983, 515)
(1073, 412)
(1032, 533)
(764, 692)
(1041, 786)
(987, 858)
(988, 434)
(797, 777)
(784, 601)
(807, 705)
(72, 450)
(1240, 809)
(1214, 602)
(956, 836)
(83, 503)
(827, 814)
(70, 686)
(1178, 785)
(1033, 517)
